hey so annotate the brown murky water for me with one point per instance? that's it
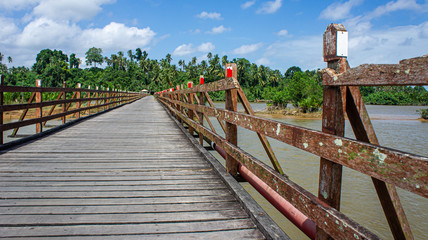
(395, 126)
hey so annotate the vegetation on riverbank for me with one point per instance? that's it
(135, 71)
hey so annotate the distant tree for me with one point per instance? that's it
(138, 54)
(74, 61)
(9, 59)
(94, 56)
(168, 58)
(291, 71)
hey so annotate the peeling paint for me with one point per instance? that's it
(338, 142)
(305, 145)
(278, 129)
(339, 151)
(356, 236)
(407, 71)
(334, 78)
(417, 186)
(325, 194)
(398, 71)
(380, 157)
(320, 144)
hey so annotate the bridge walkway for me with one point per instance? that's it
(130, 173)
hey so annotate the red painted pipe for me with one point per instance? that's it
(301, 221)
(287, 209)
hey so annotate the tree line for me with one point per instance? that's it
(134, 71)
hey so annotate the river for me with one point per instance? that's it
(396, 127)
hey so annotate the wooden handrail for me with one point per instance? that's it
(102, 99)
(387, 167)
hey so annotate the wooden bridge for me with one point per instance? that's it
(135, 170)
(127, 174)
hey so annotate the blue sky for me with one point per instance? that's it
(275, 33)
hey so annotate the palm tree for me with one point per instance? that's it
(1, 57)
(194, 61)
(224, 61)
(168, 58)
(131, 55)
(209, 55)
(9, 59)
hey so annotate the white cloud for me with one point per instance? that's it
(305, 52)
(248, 4)
(282, 32)
(7, 30)
(388, 45)
(395, 6)
(206, 15)
(187, 49)
(117, 36)
(206, 47)
(338, 10)
(263, 61)
(270, 7)
(17, 4)
(46, 33)
(183, 49)
(245, 49)
(69, 10)
(218, 30)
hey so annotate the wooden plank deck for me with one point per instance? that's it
(130, 173)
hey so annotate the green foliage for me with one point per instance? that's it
(424, 113)
(134, 71)
(94, 56)
(395, 95)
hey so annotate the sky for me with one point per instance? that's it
(276, 33)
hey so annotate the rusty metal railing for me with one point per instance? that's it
(388, 168)
(79, 102)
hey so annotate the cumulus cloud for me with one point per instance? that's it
(270, 7)
(46, 33)
(69, 10)
(339, 10)
(248, 4)
(218, 30)
(396, 6)
(183, 49)
(17, 4)
(187, 49)
(207, 15)
(282, 32)
(117, 36)
(245, 49)
(7, 30)
(206, 47)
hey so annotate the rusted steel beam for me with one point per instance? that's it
(387, 193)
(221, 85)
(263, 139)
(329, 219)
(405, 170)
(412, 71)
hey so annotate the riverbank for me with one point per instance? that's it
(289, 113)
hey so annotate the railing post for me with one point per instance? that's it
(231, 129)
(88, 95)
(64, 108)
(201, 115)
(108, 99)
(1, 104)
(39, 110)
(190, 113)
(333, 120)
(78, 104)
